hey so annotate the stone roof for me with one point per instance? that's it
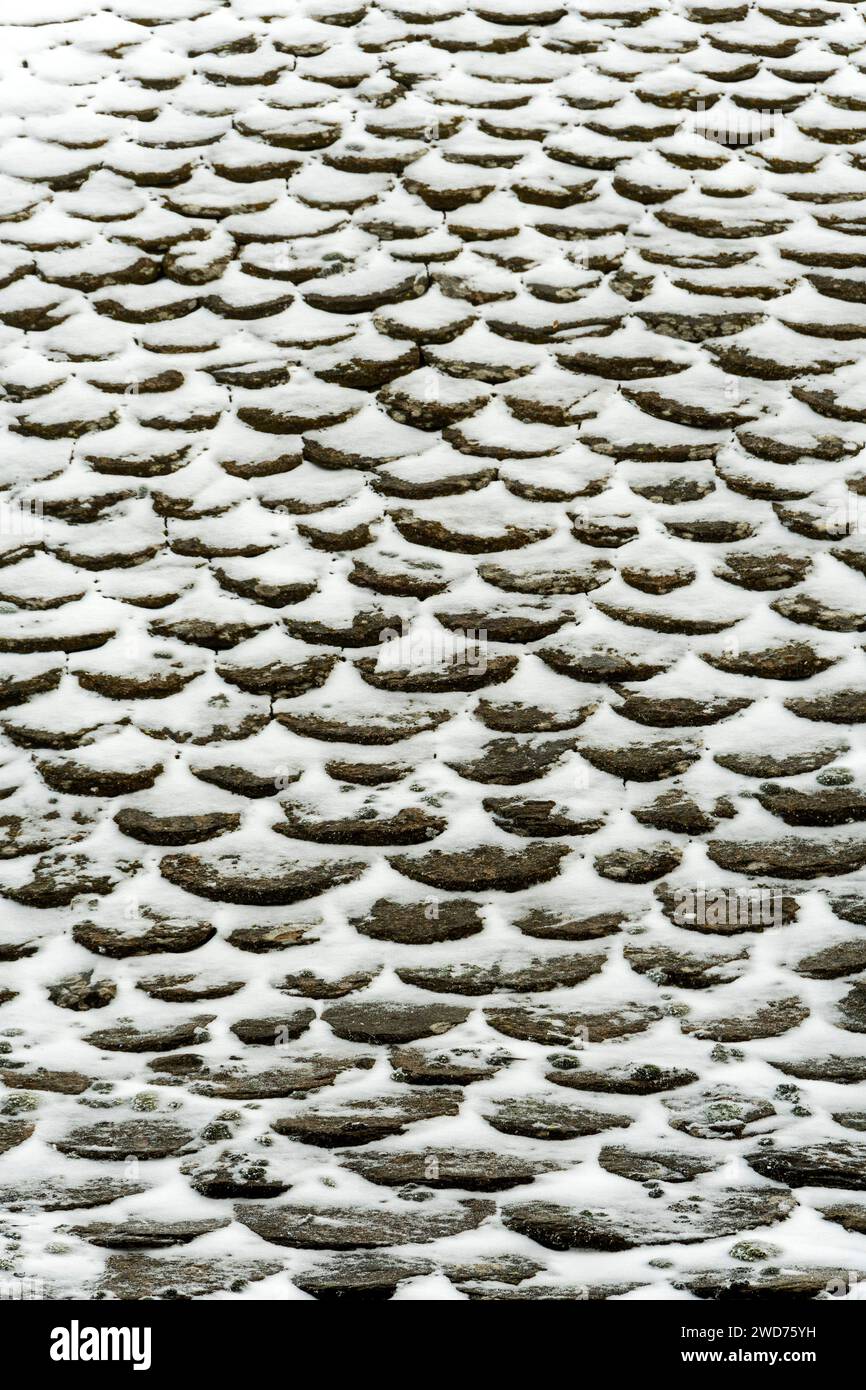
(431, 607)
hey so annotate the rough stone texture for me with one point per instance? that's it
(475, 1170)
(358, 1227)
(667, 1165)
(432, 601)
(687, 1221)
(815, 1165)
